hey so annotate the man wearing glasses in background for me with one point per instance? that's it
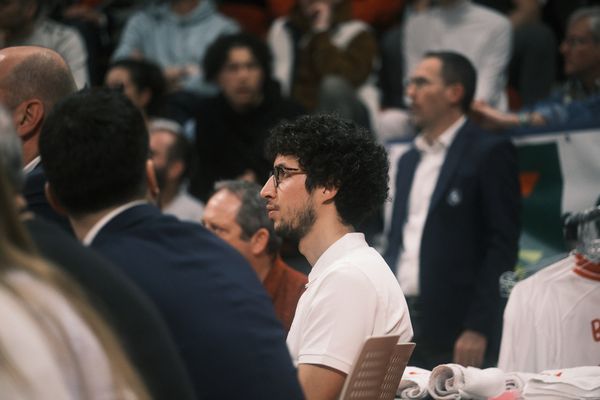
(455, 221)
(328, 176)
(578, 100)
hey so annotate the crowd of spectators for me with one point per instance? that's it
(108, 108)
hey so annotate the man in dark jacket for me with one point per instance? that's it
(455, 224)
(95, 151)
(135, 320)
(231, 128)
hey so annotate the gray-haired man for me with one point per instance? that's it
(237, 214)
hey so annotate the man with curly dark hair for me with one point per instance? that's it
(232, 126)
(328, 176)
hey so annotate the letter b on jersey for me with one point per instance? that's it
(596, 330)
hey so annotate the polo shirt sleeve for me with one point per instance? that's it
(339, 319)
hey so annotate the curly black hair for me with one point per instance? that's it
(217, 54)
(336, 153)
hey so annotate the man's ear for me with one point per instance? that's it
(145, 97)
(259, 241)
(151, 180)
(28, 118)
(53, 200)
(175, 170)
(326, 195)
(455, 93)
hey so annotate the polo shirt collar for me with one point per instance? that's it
(337, 250)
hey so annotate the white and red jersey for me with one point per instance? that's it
(552, 320)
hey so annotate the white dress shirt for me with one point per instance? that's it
(31, 165)
(423, 184)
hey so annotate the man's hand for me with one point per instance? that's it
(174, 75)
(490, 118)
(469, 349)
(320, 382)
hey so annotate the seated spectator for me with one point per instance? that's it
(172, 157)
(231, 128)
(54, 344)
(23, 23)
(121, 303)
(578, 100)
(32, 80)
(142, 82)
(552, 319)
(219, 315)
(237, 214)
(325, 60)
(328, 176)
(175, 35)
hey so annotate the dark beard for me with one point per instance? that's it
(298, 227)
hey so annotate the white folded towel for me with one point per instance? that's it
(414, 383)
(568, 383)
(454, 382)
(517, 380)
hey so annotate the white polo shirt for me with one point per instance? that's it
(351, 294)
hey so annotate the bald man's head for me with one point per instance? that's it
(32, 80)
(33, 72)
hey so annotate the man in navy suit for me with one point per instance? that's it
(32, 80)
(94, 147)
(128, 311)
(455, 224)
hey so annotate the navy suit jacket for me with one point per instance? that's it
(35, 195)
(470, 236)
(220, 316)
(133, 317)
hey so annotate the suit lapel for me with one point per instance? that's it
(404, 177)
(34, 181)
(451, 163)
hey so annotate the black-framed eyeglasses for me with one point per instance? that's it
(280, 173)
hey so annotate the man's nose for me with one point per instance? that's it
(268, 189)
